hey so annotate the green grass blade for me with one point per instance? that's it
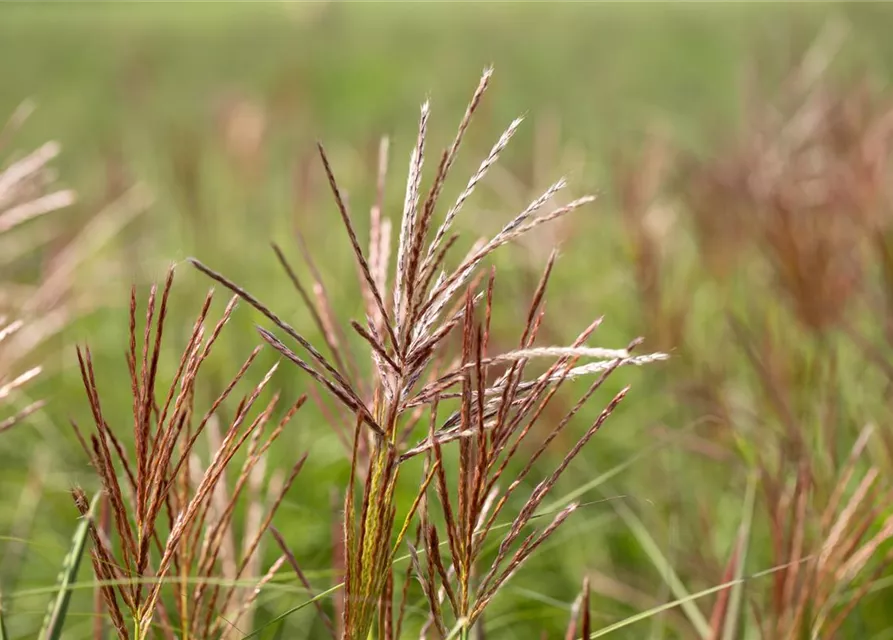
(284, 615)
(601, 478)
(58, 608)
(4, 634)
(737, 596)
(645, 615)
(640, 531)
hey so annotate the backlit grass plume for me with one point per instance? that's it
(483, 403)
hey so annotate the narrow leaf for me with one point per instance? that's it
(662, 564)
(680, 602)
(737, 595)
(55, 618)
(4, 634)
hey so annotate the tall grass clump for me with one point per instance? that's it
(427, 392)
(791, 217)
(434, 391)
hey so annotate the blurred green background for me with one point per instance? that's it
(214, 108)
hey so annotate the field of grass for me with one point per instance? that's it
(190, 130)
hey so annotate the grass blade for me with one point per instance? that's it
(282, 616)
(55, 618)
(737, 595)
(640, 531)
(4, 634)
(601, 479)
(681, 602)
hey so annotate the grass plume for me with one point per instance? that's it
(172, 512)
(411, 320)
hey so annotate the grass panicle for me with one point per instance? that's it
(171, 510)
(411, 321)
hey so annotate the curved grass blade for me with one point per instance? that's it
(285, 614)
(601, 479)
(4, 634)
(645, 615)
(665, 568)
(604, 477)
(58, 608)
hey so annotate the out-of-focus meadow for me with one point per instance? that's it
(740, 154)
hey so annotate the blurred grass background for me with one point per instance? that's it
(215, 108)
